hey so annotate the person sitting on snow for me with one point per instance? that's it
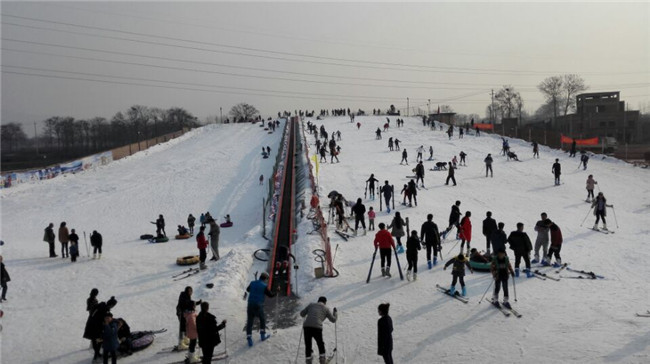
(182, 230)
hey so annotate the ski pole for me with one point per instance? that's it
(225, 340)
(336, 340)
(514, 287)
(486, 291)
(298, 350)
(87, 251)
(585, 219)
(452, 248)
(615, 219)
(335, 250)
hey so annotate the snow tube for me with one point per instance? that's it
(189, 260)
(480, 266)
(146, 236)
(226, 224)
(162, 239)
(184, 236)
(141, 340)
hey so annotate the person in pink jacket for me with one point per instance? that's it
(591, 182)
(192, 334)
(556, 246)
(371, 219)
(465, 232)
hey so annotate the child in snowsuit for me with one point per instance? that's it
(412, 247)
(458, 272)
(385, 334)
(501, 268)
(371, 219)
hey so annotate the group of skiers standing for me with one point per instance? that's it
(70, 237)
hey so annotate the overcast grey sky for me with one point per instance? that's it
(285, 56)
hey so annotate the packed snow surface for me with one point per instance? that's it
(216, 168)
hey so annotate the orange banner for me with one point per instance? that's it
(484, 126)
(592, 141)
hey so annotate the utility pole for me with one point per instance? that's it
(220, 115)
(407, 106)
(36, 138)
(428, 107)
(492, 113)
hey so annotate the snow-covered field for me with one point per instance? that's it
(216, 169)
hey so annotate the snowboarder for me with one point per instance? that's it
(257, 290)
(419, 173)
(600, 210)
(370, 185)
(583, 160)
(64, 238)
(202, 245)
(466, 231)
(4, 278)
(214, 233)
(556, 246)
(420, 150)
(359, 210)
(454, 219)
(458, 273)
(542, 227)
(488, 165)
(96, 241)
(384, 242)
(371, 219)
(190, 222)
(184, 304)
(385, 334)
(49, 237)
(501, 269)
(398, 226)
(412, 247)
(430, 235)
(208, 332)
(462, 158)
(489, 227)
(557, 171)
(404, 158)
(450, 175)
(520, 244)
(591, 182)
(312, 327)
(387, 191)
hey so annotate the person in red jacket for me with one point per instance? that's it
(556, 246)
(465, 232)
(384, 241)
(202, 244)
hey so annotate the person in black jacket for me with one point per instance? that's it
(498, 239)
(359, 209)
(454, 219)
(92, 302)
(3, 280)
(521, 245)
(185, 303)
(49, 238)
(430, 235)
(489, 226)
(95, 324)
(208, 330)
(371, 185)
(191, 220)
(419, 174)
(412, 247)
(557, 171)
(412, 189)
(450, 175)
(385, 334)
(96, 242)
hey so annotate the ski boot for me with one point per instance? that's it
(249, 339)
(464, 291)
(546, 263)
(264, 335)
(193, 358)
(516, 272)
(202, 266)
(388, 209)
(322, 359)
(383, 272)
(408, 275)
(308, 360)
(415, 277)
(529, 274)
(452, 290)
(495, 301)
(400, 249)
(435, 260)
(535, 260)
(429, 264)
(605, 227)
(388, 272)
(557, 264)
(595, 227)
(506, 304)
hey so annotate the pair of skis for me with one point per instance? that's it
(190, 272)
(646, 314)
(544, 276)
(505, 310)
(372, 263)
(215, 357)
(456, 295)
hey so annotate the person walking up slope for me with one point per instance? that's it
(430, 235)
(312, 327)
(385, 334)
(412, 247)
(257, 290)
(398, 230)
(208, 332)
(458, 272)
(384, 242)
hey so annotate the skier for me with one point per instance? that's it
(466, 232)
(454, 219)
(64, 238)
(384, 242)
(498, 238)
(378, 133)
(185, 303)
(257, 290)
(412, 192)
(557, 171)
(450, 175)
(208, 332)
(370, 185)
(4, 278)
(420, 150)
(191, 219)
(404, 157)
(462, 158)
(488, 165)
(535, 150)
(390, 143)
(520, 244)
(556, 246)
(371, 219)
(542, 227)
(430, 235)
(591, 182)
(214, 233)
(430, 152)
(412, 247)
(49, 237)
(600, 210)
(583, 160)
(458, 273)
(359, 209)
(419, 173)
(312, 327)
(454, 161)
(387, 190)
(489, 227)
(385, 334)
(501, 269)
(398, 225)
(202, 245)
(96, 241)
(192, 334)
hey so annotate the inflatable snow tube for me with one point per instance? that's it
(162, 239)
(480, 266)
(146, 236)
(184, 236)
(141, 340)
(226, 224)
(189, 260)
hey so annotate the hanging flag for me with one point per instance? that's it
(591, 141)
(315, 159)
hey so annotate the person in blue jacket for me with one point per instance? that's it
(109, 338)
(256, 291)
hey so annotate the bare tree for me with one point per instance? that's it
(446, 108)
(243, 112)
(507, 100)
(551, 87)
(573, 85)
(11, 134)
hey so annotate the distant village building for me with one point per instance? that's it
(448, 118)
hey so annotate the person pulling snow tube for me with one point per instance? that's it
(146, 237)
(184, 236)
(189, 260)
(160, 239)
